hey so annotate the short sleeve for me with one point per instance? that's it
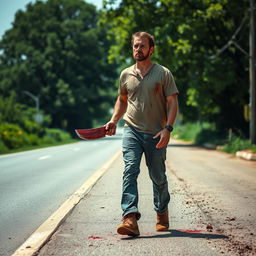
(122, 84)
(170, 87)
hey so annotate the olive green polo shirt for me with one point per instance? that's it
(147, 108)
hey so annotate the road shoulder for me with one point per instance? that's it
(91, 228)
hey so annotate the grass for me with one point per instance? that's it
(187, 132)
(197, 133)
(236, 144)
(26, 148)
(200, 133)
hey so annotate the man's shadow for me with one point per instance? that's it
(181, 233)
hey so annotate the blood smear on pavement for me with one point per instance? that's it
(191, 231)
(95, 237)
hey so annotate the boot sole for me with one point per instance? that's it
(127, 231)
(162, 228)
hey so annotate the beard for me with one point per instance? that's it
(141, 57)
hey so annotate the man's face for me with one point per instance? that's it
(141, 49)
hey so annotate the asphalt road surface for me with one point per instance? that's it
(33, 184)
(222, 190)
(212, 210)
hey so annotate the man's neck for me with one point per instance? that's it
(143, 66)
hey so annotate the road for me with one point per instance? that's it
(212, 210)
(33, 184)
(221, 189)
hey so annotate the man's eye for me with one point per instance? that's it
(136, 46)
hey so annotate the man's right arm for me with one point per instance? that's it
(119, 110)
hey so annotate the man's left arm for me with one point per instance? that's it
(172, 110)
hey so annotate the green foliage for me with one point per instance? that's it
(56, 135)
(56, 51)
(18, 128)
(187, 33)
(199, 133)
(12, 136)
(236, 144)
(32, 127)
(3, 148)
(209, 135)
(10, 110)
(187, 132)
(15, 113)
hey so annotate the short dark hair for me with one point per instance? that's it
(150, 38)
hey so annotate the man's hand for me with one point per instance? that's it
(110, 128)
(164, 138)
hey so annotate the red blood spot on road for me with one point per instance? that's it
(191, 231)
(95, 237)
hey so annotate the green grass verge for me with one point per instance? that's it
(237, 144)
(26, 148)
(200, 133)
(197, 133)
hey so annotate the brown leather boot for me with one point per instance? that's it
(129, 226)
(162, 222)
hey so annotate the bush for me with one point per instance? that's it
(18, 128)
(10, 110)
(31, 127)
(195, 132)
(56, 135)
(208, 136)
(32, 140)
(201, 133)
(12, 135)
(236, 143)
(3, 148)
(47, 140)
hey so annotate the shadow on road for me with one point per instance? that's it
(181, 233)
(182, 145)
(116, 137)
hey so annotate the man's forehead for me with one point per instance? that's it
(140, 39)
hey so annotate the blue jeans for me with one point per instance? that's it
(136, 143)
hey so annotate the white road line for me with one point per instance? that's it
(33, 150)
(44, 157)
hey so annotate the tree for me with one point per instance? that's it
(56, 51)
(187, 33)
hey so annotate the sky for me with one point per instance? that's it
(8, 9)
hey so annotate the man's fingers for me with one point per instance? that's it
(111, 131)
(106, 126)
(110, 128)
(157, 135)
(162, 143)
(159, 144)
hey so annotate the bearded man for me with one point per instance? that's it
(147, 97)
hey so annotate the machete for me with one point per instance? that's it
(91, 134)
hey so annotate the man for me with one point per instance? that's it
(148, 100)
